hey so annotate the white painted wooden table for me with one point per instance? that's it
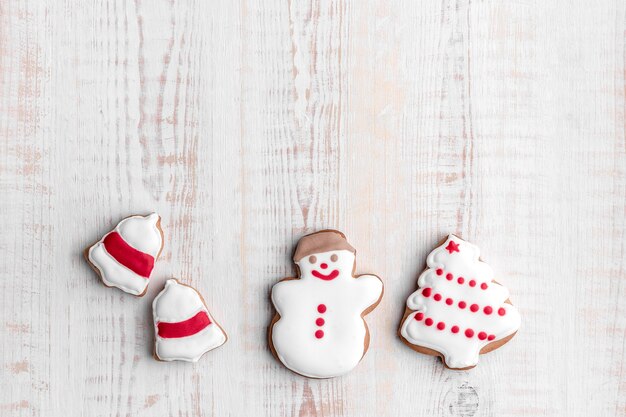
(247, 124)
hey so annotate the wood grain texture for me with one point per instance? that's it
(248, 124)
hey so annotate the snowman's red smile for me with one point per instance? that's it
(334, 274)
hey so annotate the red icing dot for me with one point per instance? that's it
(484, 286)
(488, 310)
(449, 301)
(472, 283)
(462, 304)
(491, 337)
(437, 297)
(439, 271)
(469, 333)
(482, 335)
(323, 265)
(455, 329)
(429, 322)
(449, 277)
(319, 321)
(501, 311)
(419, 316)
(474, 308)
(426, 292)
(461, 280)
(319, 334)
(441, 325)
(321, 308)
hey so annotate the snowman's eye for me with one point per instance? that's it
(334, 258)
(312, 259)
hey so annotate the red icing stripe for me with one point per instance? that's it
(185, 328)
(138, 262)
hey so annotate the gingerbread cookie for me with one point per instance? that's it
(184, 329)
(319, 329)
(124, 258)
(458, 311)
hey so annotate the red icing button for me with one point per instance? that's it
(462, 304)
(449, 301)
(441, 325)
(501, 311)
(321, 308)
(323, 265)
(472, 283)
(426, 292)
(419, 316)
(491, 337)
(461, 280)
(437, 297)
(319, 334)
(482, 335)
(484, 286)
(319, 321)
(429, 322)
(439, 271)
(488, 310)
(455, 329)
(449, 277)
(469, 333)
(474, 308)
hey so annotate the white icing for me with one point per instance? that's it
(178, 303)
(458, 350)
(346, 298)
(140, 232)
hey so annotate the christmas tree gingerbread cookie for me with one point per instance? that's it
(124, 257)
(458, 311)
(183, 327)
(319, 330)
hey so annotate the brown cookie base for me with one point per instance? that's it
(95, 268)
(154, 354)
(428, 351)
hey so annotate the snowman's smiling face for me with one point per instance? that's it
(327, 265)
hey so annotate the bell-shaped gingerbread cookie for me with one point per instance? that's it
(184, 328)
(124, 257)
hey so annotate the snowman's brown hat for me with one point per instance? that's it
(322, 241)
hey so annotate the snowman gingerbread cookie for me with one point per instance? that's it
(458, 311)
(319, 330)
(124, 257)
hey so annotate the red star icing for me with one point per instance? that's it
(452, 247)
